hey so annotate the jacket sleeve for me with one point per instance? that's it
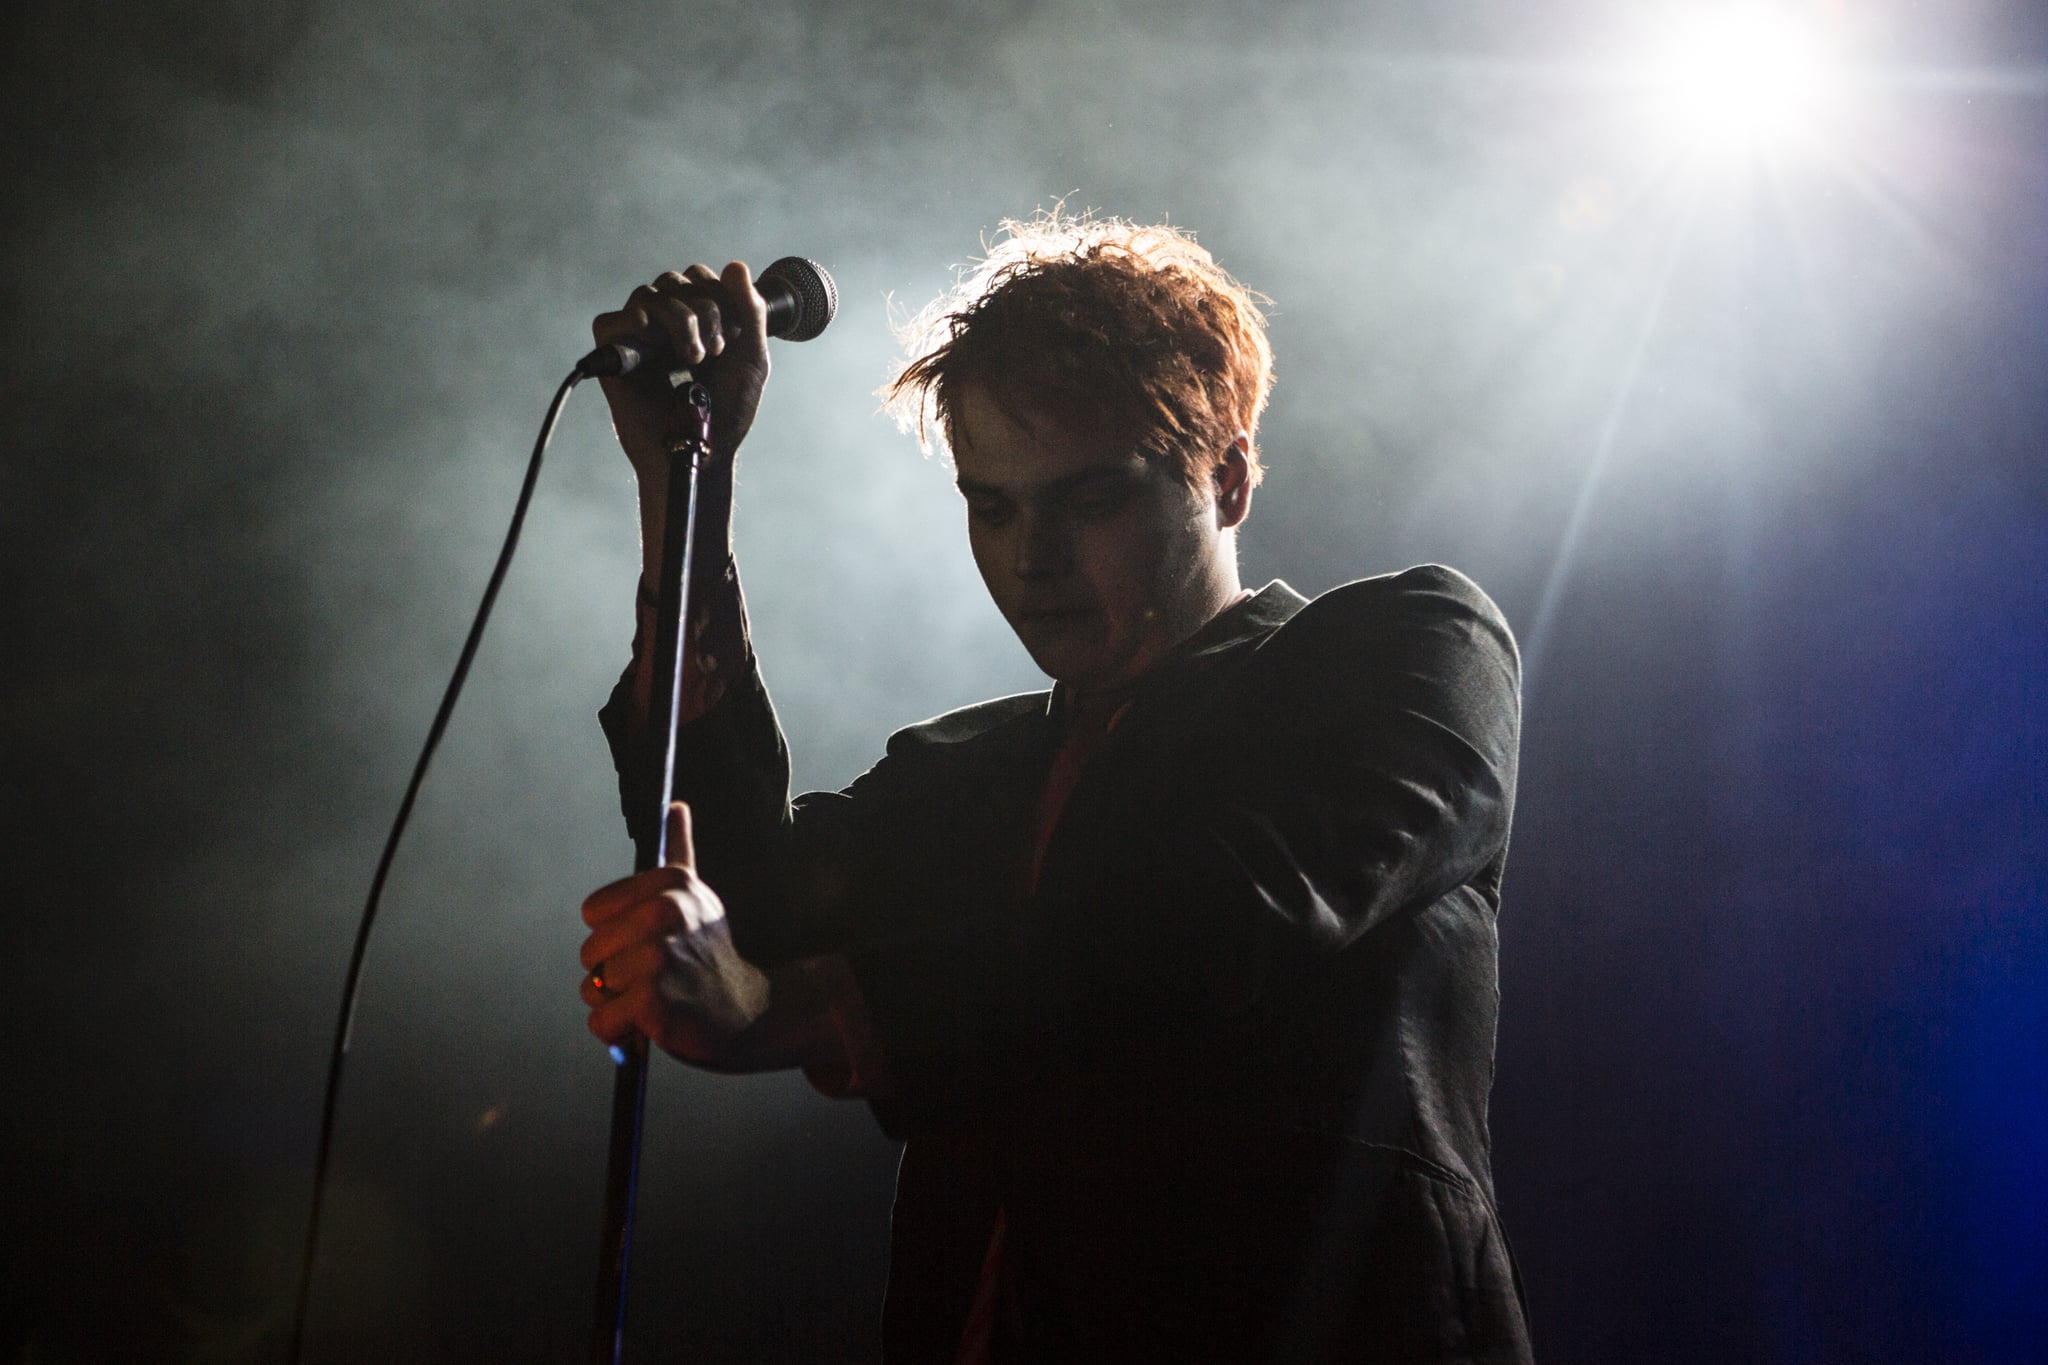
(732, 767)
(1359, 770)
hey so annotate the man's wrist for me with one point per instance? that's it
(800, 1027)
(840, 1057)
(647, 599)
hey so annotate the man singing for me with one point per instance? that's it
(1178, 981)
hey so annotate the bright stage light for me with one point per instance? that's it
(1733, 80)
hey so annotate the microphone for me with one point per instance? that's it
(801, 299)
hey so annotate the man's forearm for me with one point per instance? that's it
(716, 619)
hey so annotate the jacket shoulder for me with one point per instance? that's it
(1420, 584)
(1428, 619)
(968, 723)
(1425, 591)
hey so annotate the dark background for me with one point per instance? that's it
(1749, 450)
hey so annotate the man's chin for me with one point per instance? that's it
(1083, 670)
(1064, 661)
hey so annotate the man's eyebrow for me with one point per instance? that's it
(1053, 487)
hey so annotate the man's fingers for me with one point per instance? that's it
(614, 1020)
(748, 310)
(687, 325)
(697, 314)
(628, 324)
(678, 848)
(686, 311)
(629, 948)
(607, 901)
(710, 325)
(641, 1010)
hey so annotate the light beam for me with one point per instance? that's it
(1734, 81)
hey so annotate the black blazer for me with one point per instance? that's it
(1226, 1069)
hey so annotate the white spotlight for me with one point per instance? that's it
(1735, 79)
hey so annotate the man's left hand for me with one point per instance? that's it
(661, 962)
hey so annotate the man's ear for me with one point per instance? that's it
(1233, 482)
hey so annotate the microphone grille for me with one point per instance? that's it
(817, 297)
(814, 291)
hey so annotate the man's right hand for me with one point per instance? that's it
(695, 316)
(660, 962)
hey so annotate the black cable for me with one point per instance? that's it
(352, 984)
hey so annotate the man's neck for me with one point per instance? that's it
(1099, 706)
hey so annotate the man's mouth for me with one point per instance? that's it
(1044, 616)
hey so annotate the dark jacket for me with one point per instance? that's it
(1226, 1069)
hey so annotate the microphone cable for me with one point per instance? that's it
(352, 983)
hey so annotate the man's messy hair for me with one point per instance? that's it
(1129, 329)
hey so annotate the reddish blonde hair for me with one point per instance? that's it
(1133, 329)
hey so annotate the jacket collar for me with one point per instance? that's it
(1241, 625)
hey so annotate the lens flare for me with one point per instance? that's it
(1738, 80)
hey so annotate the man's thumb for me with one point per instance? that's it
(678, 848)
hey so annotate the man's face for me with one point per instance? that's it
(1101, 560)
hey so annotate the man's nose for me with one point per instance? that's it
(1045, 545)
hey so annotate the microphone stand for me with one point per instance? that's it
(689, 441)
